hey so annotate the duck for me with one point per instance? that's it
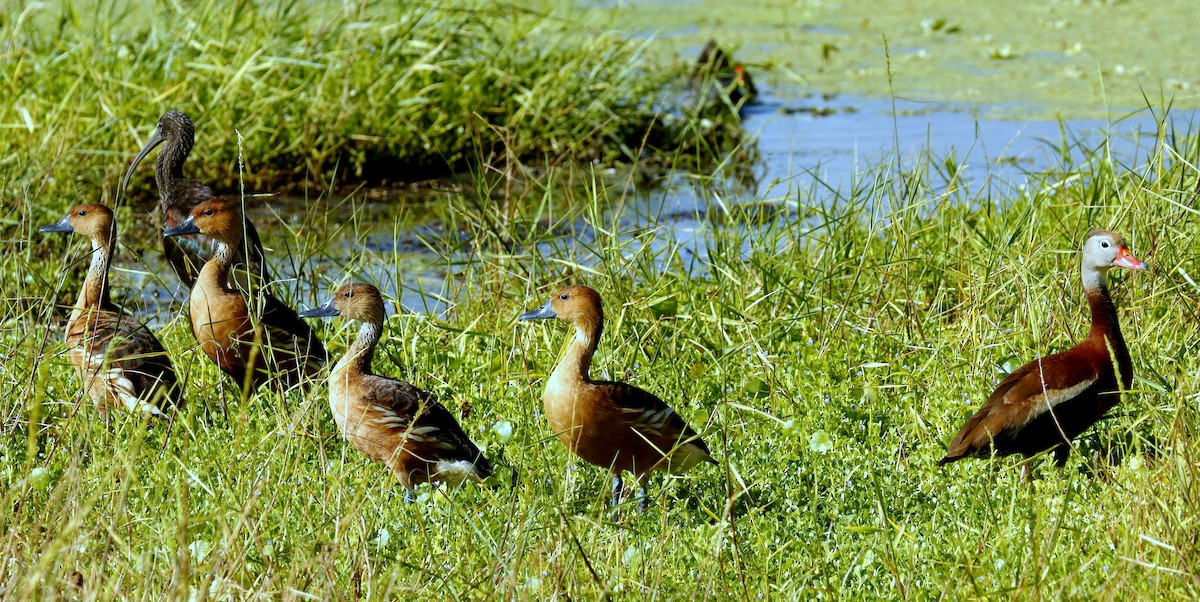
(388, 420)
(272, 345)
(177, 195)
(613, 425)
(717, 72)
(120, 362)
(1045, 404)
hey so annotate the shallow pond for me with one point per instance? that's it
(812, 151)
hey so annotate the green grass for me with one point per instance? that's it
(827, 354)
(320, 93)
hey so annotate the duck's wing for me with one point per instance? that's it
(136, 370)
(1029, 392)
(148, 367)
(652, 417)
(296, 348)
(424, 421)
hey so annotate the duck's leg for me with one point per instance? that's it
(409, 496)
(1060, 455)
(221, 396)
(617, 488)
(643, 492)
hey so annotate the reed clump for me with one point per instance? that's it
(315, 93)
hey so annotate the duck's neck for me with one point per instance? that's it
(95, 286)
(1104, 311)
(215, 273)
(577, 362)
(358, 357)
(168, 170)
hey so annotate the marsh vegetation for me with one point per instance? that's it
(826, 344)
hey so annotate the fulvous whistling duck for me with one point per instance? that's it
(279, 347)
(1051, 400)
(715, 70)
(389, 420)
(120, 362)
(176, 197)
(610, 424)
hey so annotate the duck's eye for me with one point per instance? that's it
(564, 296)
(1104, 243)
(82, 212)
(207, 212)
(347, 294)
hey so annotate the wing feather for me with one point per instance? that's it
(425, 421)
(1027, 393)
(650, 415)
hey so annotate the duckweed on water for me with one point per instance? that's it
(1024, 59)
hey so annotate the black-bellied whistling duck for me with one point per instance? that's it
(717, 72)
(389, 420)
(120, 362)
(1051, 400)
(610, 424)
(176, 197)
(279, 347)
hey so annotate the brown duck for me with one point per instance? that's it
(119, 361)
(1051, 400)
(389, 420)
(271, 344)
(613, 425)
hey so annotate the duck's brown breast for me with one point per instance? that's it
(223, 329)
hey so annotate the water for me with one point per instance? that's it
(816, 143)
(812, 150)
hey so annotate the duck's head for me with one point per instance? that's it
(217, 218)
(1104, 249)
(357, 301)
(90, 219)
(174, 127)
(578, 305)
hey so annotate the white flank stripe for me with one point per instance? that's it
(123, 388)
(454, 473)
(1053, 397)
